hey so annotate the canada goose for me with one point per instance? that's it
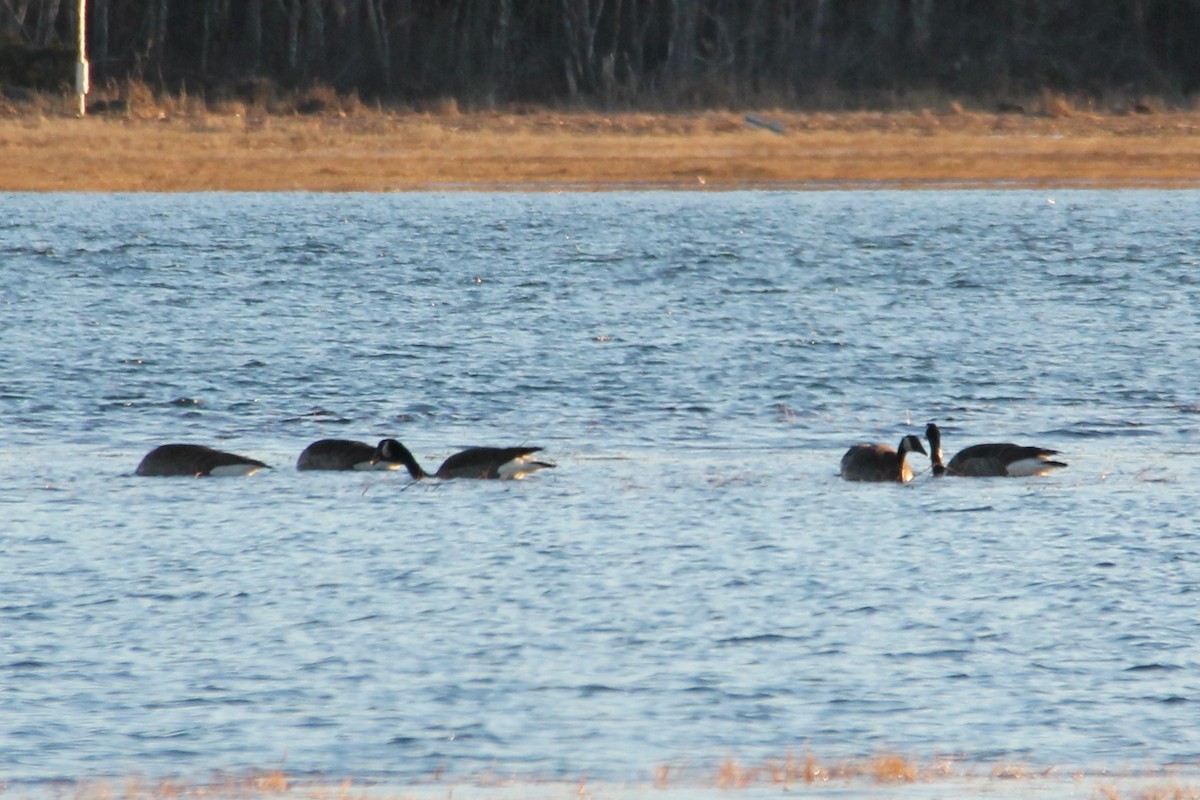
(196, 460)
(346, 454)
(474, 462)
(991, 460)
(878, 462)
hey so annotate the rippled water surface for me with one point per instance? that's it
(693, 582)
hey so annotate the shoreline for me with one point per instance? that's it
(999, 784)
(193, 151)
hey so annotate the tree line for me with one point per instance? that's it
(621, 53)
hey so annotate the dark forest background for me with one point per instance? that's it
(618, 53)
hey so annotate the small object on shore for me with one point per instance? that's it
(758, 121)
(108, 107)
(878, 462)
(195, 461)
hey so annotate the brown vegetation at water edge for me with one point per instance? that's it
(179, 143)
(894, 771)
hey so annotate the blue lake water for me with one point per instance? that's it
(693, 582)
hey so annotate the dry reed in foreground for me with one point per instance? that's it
(185, 147)
(944, 777)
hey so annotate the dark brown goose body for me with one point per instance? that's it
(878, 462)
(346, 454)
(992, 460)
(195, 460)
(476, 462)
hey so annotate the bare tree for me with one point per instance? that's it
(656, 51)
(254, 35)
(581, 21)
(315, 60)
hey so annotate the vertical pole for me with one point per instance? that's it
(81, 64)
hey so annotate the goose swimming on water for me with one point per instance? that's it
(196, 460)
(991, 460)
(878, 462)
(475, 462)
(345, 454)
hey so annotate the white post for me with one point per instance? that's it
(81, 65)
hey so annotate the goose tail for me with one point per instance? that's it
(518, 468)
(1031, 467)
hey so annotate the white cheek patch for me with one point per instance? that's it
(234, 470)
(379, 466)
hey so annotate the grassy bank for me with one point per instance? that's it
(185, 147)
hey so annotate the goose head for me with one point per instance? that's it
(391, 451)
(911, 444)
(934, 435)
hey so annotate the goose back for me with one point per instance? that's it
(878, 462)
(346, 454)
(993, 459)
(1003, 460)
(195, 460)
(498, 463)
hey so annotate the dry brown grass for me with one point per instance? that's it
(182, 144)
(226, 786)
(885, 769)
(903, 777)
(892, 769)
(1149, 792)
